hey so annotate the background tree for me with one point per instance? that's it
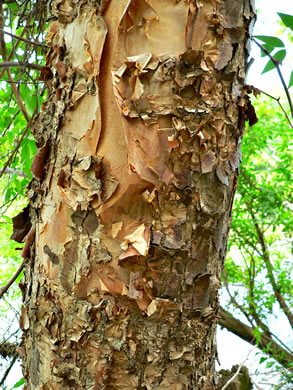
(272, 174)
(258, 270)
(22, 54)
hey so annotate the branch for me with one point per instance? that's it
(5, 288)
(17, 96)
(269, 268)
(256, 385)
(250, 314)
(7, 349)
(23, 39)
(15, 357)
(245, 240)
(10, 64)
(24, 82)
(18, 143)
(283, 109)
(276, 63)
(14, 172)
(8, 202)
(238, 370)
(246, 333)
(9, 75)
(10, 123)
(233, 300)
(12, 52)
(247, 178)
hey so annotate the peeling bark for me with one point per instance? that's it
(139, 148)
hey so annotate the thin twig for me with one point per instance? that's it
(5, 288)
(267, 334)
(247, 178)
(10, 64)
(15, 357)
(9, 75)
(269, 267)
(233, 300)
(23, 39)
(24, 82)
(10, 123)
(238, 370)
(276, 63)
(18, 143)
(9, 202)
(12, 52)
(16, 172)
(283, 109)
(7, 348)
(257, 385)
(12, 308)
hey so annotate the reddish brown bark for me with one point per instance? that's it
(143, 125)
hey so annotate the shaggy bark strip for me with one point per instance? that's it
(141, 135)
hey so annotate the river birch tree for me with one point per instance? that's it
(137, 163)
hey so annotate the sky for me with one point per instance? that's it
(231, 349)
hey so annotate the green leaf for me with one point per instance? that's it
(291, 80)
(9, 194)
(269, 66)
(13, 6)
(287, 20)
(269, 364)
(272, 41)
(29, 97)
(269, 48)
(19, 383)
(263, 359)
(279, 56)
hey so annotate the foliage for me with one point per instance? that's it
(18, 85)
(258, 271)
(16, 385)
(273, 44)
(21, 95)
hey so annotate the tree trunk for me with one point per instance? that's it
(138, 155)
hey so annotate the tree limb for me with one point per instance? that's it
(5, 288)
(10, 64)
(282, 108)
(246, 333)
(233, 300)
(12, 52)
(24, 82)
(7, 349)
(14, 172)
(15, 357)
(237, 371)
(18, 144)
(9, 75)
(269, 268)
(247, 178)
(276, 63)
(23, 39)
